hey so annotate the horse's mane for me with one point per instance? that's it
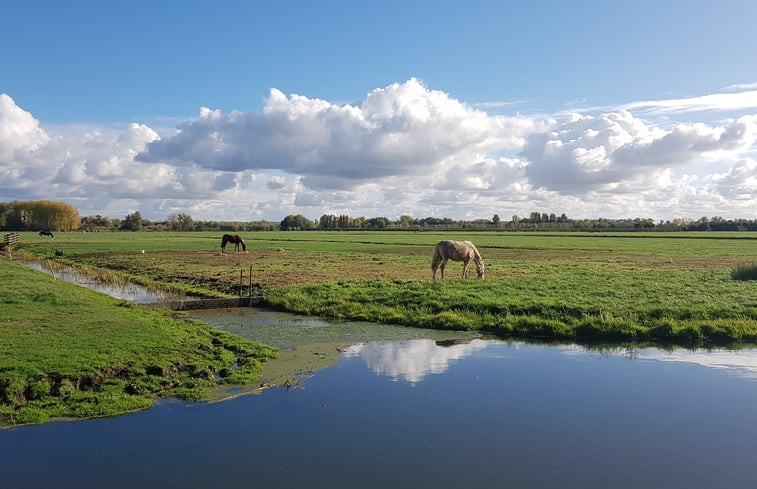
(475, 250)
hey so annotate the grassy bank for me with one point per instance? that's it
(66, 351)
(578, 303)
(675, 287)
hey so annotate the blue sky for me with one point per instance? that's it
(250, 110)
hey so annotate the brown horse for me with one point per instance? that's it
(463, 251)
(233, 238)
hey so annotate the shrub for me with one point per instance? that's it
(745, 272)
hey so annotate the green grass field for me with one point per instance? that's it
(675, 287)
(680, 243)
(66, 351)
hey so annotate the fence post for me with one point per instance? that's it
(249, 290)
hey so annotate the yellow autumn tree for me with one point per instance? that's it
(39, 215)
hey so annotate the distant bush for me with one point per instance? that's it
(745, 272)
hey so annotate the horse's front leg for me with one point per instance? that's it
(441, 267)
(466, 264)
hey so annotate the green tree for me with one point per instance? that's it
(327, 221)
(295, 223)
(180, 222)
(132, 222)
(405, 222)
(377, 223)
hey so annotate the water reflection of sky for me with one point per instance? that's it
(742, 363)
(415, 359)
(738, 362)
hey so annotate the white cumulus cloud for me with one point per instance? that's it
(20, 134)
(403, 149)
(403, 129)
(617, 151)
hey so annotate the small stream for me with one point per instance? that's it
(126, 291)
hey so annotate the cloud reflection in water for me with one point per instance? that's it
(739, 362)
(742, 362)
(413, 360)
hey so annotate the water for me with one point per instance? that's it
(286, 331)
(126, 291)
(308, 344)
(415, 413)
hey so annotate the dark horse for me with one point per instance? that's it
(46, 233)
(233, 238)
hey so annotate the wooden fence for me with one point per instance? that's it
(11, 239)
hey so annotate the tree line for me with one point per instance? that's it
(536, 221)
(59, 216)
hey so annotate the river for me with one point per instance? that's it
(418, 412)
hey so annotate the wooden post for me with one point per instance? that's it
(240, 283)
(250, 288)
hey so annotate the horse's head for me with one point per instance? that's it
(479, 266)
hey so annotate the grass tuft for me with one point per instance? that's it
(745, 272)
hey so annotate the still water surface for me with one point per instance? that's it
(436, 413)
(126, 291)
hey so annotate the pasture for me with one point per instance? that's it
(674, 287)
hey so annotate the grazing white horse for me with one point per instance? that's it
(463, 251)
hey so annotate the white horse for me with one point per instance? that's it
(463, 251)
